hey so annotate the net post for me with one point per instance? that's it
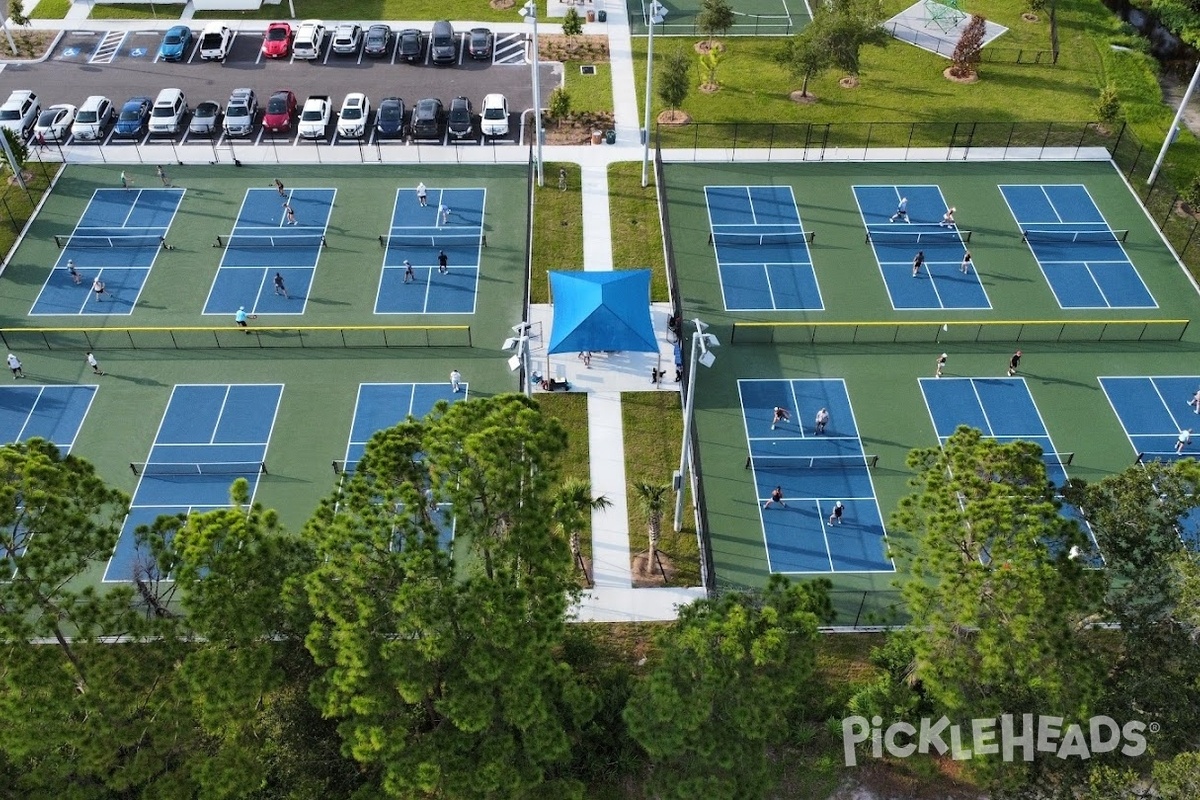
(747, 462)
(1124, 235)
(1138, 461)
(324, 243)
(872, 461)
(262, 468)
(484, 238)
(133, 468)
(383, 240)
(966, 235)
(811, 236)
(336, 469)
(868, 239)
(217, 243)
(710, 239)
(58, 240)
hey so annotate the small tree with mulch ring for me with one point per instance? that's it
(967, 53)
(675, 80)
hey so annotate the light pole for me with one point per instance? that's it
(529, 11)
(520, 360)
(657, 14)
(701, 342)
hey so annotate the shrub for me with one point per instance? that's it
(967, 51)
(1108, 106)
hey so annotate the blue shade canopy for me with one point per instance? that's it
(602, 311)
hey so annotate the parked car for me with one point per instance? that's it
(377, 41)
(93, 118)
(346, 39)
(135, 114)
(175, 44)
(409, 47)
(281, 107)
(166, 118)
(314, 119)
(54, 124)
(307, 44)
(479, 45)
(215, 42)
(20, 112)
(389, 118)
(352, 119)
(493, 118)
(240, 112)
(460, 122)
(427, 119)
(277, 40)
(206, 119)
(443, 47)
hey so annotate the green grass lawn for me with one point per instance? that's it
(557, 229)
(570, 408)
(900, 82)
(637, 239)
(589, 92)
(653, 428)
(50, 9)
(17, 205)
(141, 11)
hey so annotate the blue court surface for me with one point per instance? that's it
(762, 252)
(382, 405)
(210, 435)
(1081, 257)
(54, 413)
(1153, 411)
(117, 240)
(417, 235)
(941, 283)
(814, 471)
(262, 243)
(1003, 409)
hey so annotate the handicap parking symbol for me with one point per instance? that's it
(137, 52)
(69, 52)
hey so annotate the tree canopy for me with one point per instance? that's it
(443, 672)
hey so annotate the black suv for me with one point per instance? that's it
(409, 47)
(460, 122)
(427, 119)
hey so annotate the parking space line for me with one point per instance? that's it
(107, 50)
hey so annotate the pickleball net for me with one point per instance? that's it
(271, 240)
(198, 467)
(838, 462)
(433, 240)
(760, 239)
(110, 242)
(1057, 235)
(897, 235)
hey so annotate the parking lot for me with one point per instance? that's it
(120, 65)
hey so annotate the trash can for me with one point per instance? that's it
(591, 16)
(597, 137)
(602, 15)
(610, 136)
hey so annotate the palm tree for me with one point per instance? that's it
(652, 498)
(572, 502)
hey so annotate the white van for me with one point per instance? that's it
(167, 115)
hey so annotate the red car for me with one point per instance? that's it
(280, 110)
(278, 40)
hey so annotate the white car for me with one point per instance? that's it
(20, 112)
(346, 39)
(307, 44)
(166, 117)
(493, 117)
(352, 120)
(54, 124)
(93, 118)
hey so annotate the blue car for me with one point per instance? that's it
(175, 44)
(134, 116)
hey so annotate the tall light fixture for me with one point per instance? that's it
(521, 359)
(529, 11)
(701, 342)
(658, 14)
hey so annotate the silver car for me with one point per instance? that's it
(240, 112)
(206, 119)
